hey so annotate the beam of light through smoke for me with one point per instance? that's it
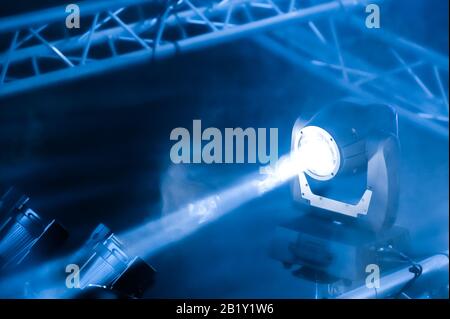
(48, 279)
(149, 238)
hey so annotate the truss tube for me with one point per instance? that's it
(169, 49)
(230, 34)
(415, 96)
(210, 38)
(391, 284)
(283, 52)
(74, 42)
(100, 36)
(57, 13)
(431, 55)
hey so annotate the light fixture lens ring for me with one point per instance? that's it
(317, 152)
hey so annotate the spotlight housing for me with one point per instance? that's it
(108, 271)
(349, 152)
(25, 237)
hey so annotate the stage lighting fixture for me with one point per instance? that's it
(347, 188)
(107, 271)
(349, 154)
(25, 237)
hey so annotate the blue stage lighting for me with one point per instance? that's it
(108, 270)
(25, 237)
(101, 268)
(348, 191)
(349, 157)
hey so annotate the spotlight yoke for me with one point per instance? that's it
(358, 142)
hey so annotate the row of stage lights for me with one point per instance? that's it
(27, 241)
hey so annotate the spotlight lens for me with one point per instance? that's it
(318, 153)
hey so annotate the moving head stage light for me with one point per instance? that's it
(350, 154)
(348, 189)
(25, 237)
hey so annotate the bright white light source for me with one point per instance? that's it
(318, 153)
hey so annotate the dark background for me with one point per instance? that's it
(97, 150)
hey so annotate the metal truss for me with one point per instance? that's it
(374, 65)
(329, 40)
(40, 50)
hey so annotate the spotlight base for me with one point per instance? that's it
(335, 249)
